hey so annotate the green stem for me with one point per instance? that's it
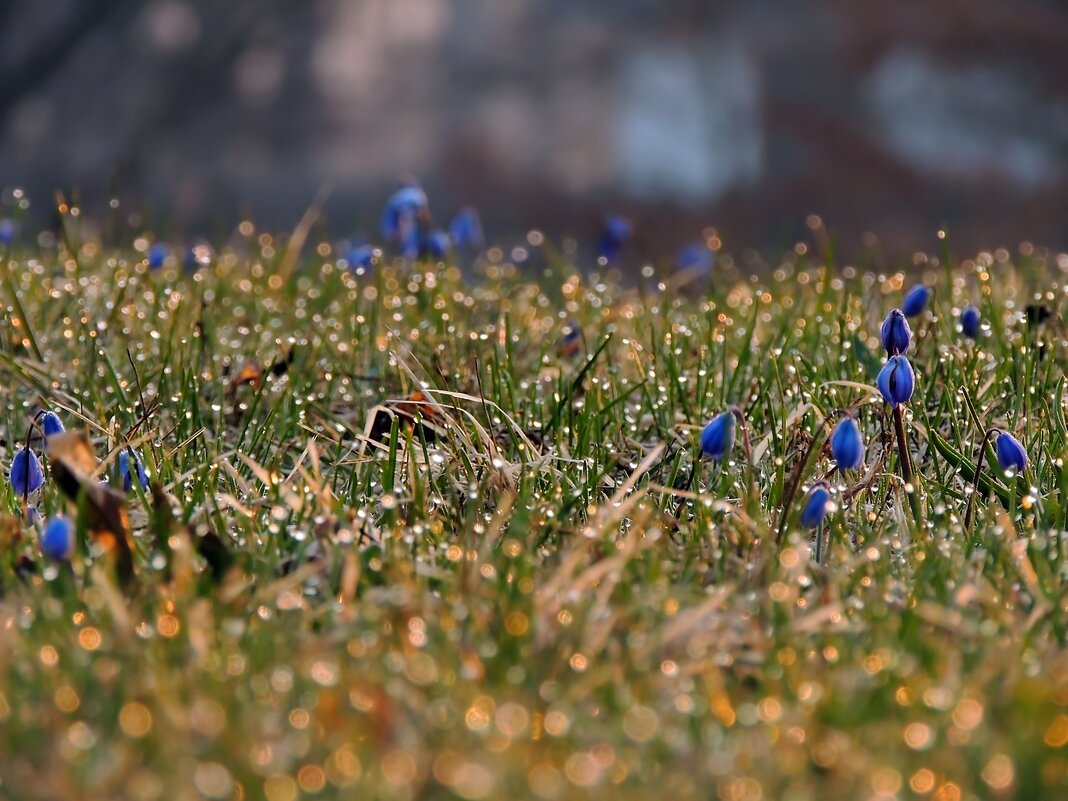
(911, 488)
(975, 480)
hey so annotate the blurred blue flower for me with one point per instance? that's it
(969, 322)
(847, 444)
(57, 539)
(696, 258)
(815, 509)
(915, 300)
(895, 333)
(717, 438)
(27, 475)
(571, 341)
(51, 424)
(614, 235)
(124, 470)
(362, 257)
(465, 230)
(1011, 454)
(7, 231)
(437, 244)
(896, 381)
(157, 256)
(400, 218)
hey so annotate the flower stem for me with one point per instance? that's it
(975, 478)
(911, 489)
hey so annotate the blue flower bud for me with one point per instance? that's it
(571, 341)
(57, 539)
(896, 381)
(815, 509)
(465, 230)
(7, 231)
(847, 444)
(617, 230)
(969, 322)
(51, 424)
(895, 333)
(362, 257)
(915, 300)
(27, 475)
(124, 470)
(402, 212)
(437, 245)
(1011, 454)
(695, 258)
(157, 255)
(717, 438)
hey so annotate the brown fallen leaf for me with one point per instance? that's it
(73, 464)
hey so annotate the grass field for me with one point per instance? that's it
(405, 537)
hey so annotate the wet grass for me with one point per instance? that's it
(404, 541)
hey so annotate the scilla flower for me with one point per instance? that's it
(437, 245)
(571, 341)
(465, 230)
(402, 213)
(617, 230)
(695, 258)
(847, 444)
(51, 424)
(896, 381)
(915, 300)
(815, 508)
(27, 475)
(969, 322)
(1011, 454)
(57, 539)
(717, 438)
(157, 255)
(362, 257)
(125, 456)
(895, 333)
(7, 231)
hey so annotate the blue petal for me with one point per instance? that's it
(969, 322)
(895, 333)
(57, 539)
(1010, 452)
(157, 255)
(51, 424)
(437, 244)
(465, 230)
(847, 444)
(815, 507)
(402, 209)
(717, 438)
(915, 300)
(695, 257)
(27, 475)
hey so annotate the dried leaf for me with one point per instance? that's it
(74, 464)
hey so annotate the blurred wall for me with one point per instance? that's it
(893, 118)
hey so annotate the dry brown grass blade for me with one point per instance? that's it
(300, 234)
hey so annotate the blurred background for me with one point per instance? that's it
(890, 118)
